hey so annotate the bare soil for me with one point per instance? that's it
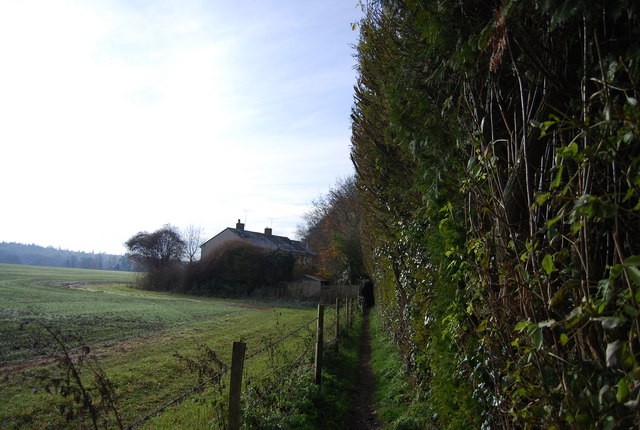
(364, 417)
(97, 351)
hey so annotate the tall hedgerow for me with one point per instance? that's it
(497, 158)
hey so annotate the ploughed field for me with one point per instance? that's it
(134, 334)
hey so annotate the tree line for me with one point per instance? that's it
(497, 165)
(331, 228)
(35, 255)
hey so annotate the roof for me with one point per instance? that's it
(271, 242)
(268, 241)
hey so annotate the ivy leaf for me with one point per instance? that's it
(623, 391)
(564, 339)
(552, 221)
(547, 323)
(613, 349)
(541, 198)
(556, 181)
(569, 151)
(482, 326)
(547, 264)
(634, 274)
(609, 423)
(584, 206)
(632, 261)
(630, 310)
(575, 227)
(609, 323)
(537, 338)
(575, 312)
(632, 404)
(615, 271)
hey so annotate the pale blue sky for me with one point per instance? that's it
(121, 116)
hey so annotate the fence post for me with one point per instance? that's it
(353, 309)
(337, 318)
(319, 341)
(235, 385)
(349, 309)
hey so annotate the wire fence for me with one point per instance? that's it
(337, 318)
(177, 400)
(280, 340)
(296, 363)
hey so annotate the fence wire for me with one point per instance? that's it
(216, 377)
(276, 342)
(178, 399)
(275, 383)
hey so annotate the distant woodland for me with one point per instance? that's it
(34, 255)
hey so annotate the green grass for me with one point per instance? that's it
(134, 333)
(395, 397)
(39, 273)
(99, 314)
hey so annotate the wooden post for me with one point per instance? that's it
(346, 312)
(353, 309)
(337, 318)
(319, 340)
(349, 311)
(235, 384)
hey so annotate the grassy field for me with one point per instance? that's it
(135, 335)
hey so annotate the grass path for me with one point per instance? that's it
(364, 414)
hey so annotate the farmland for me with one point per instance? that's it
(134, 334)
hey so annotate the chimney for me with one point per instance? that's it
(267, 231)
(239, 225)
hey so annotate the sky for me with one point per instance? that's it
(120, 116)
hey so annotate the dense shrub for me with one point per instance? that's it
(496, 151)
(238, 269)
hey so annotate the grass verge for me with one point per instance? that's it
(306, 406)
(396, 405)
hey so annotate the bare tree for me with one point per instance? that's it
(192, 237)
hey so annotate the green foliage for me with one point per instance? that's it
(332, 229)
(237, 270)
(297, 403)
(496, 151)
(396, 404)
(160, 254)
(90, 401)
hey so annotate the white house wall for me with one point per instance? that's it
(225, 236)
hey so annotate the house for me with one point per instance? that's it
(266, 240)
